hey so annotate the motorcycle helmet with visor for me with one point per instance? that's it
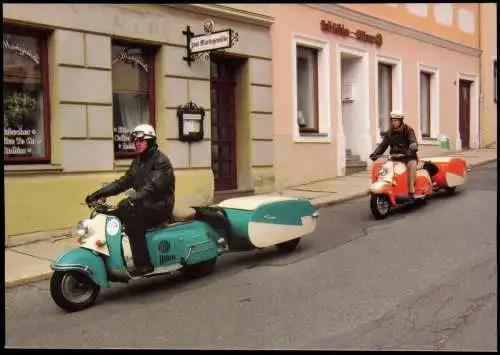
(144, 137)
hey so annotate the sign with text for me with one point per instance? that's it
(21, 142)
(210, 42)
(360, 35)
(122, 139)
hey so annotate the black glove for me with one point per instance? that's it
(92, 198)
(373, 157)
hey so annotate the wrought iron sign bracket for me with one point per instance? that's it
(189, 56)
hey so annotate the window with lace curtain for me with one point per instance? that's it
(25, 96)
(307, 89)
(133, 93)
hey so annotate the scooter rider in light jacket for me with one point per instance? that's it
(402, 140)
(151, 175)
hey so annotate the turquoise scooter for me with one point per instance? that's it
(191, 245)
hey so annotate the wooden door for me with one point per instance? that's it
(464, 112)
(222, 98)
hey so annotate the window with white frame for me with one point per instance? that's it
(385, 104)
(307, 89)
(311, 80)
(428, 97)
(425, 104)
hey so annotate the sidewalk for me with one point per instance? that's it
(30, 263)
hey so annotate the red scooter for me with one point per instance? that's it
(390, 181)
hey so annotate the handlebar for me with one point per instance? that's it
(396, 156)
(100, 206)
(392, 156)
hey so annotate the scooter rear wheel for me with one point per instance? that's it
(380, 206)
(72, 290)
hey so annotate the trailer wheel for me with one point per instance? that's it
(288, 246)
(72, 290)
(380, 205)
(450, 190)
(201, 269)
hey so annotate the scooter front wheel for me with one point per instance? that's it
(72, 290)
(380, 205)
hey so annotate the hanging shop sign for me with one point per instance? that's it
(207, 42)
(360, 35)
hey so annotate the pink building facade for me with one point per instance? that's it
(339, 70)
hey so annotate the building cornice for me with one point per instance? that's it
(227, 12)
(344, 12)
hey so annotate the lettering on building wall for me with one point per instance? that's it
(360, 35)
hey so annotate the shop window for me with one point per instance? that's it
(425, 104)
(25, 96)
(307, 89)
(385, 103)
(133, 93)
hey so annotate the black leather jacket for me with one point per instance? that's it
(152, 177)
(403, 141)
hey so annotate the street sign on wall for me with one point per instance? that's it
(203, 44)
(210, 42)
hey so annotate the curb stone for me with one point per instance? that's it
(28, 280)
(46, 275)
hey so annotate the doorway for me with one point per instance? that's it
(354, 115)
(223, 80)
(464, 91)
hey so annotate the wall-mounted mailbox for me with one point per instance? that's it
(348, 92)
(190, 118)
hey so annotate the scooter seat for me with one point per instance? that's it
(179, 216)
(183, 214)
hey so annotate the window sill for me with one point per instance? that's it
(123, 164)
(313, 134)
(429, 141)
(312, 137)
(31, 169)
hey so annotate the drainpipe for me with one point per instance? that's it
(481, 99)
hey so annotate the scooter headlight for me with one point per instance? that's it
(82, 228)
(383, 171)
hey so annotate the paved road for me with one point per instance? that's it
(425, 278)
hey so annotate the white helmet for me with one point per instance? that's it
(144, 131)
(397, 115)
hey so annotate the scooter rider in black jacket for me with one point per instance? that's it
(402, 140)
(152, 177)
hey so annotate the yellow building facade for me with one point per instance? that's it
(79, 77)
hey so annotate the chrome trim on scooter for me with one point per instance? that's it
(66, 267)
